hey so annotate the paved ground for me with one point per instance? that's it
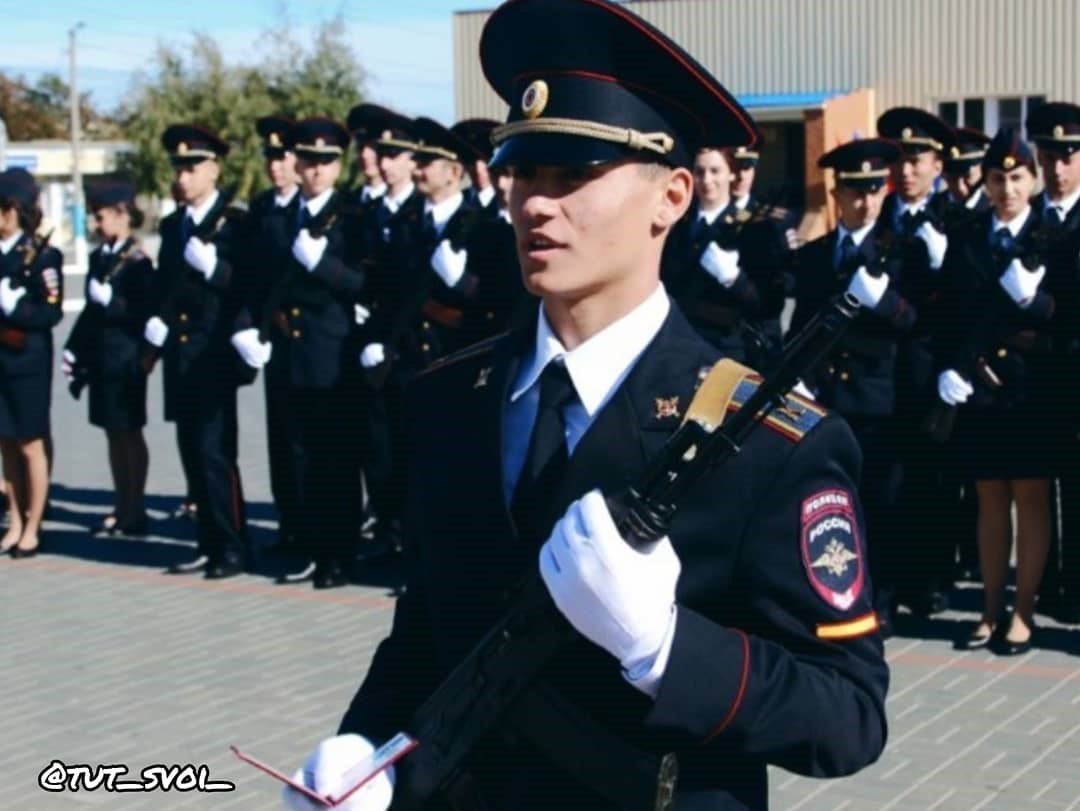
(104, 660)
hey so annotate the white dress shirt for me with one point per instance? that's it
(198, 213)
(442, 212)
(7, 244)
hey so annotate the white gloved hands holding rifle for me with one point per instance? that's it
(618, 597)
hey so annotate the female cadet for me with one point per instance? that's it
(996, 353)
(103, 351)
(31, 292)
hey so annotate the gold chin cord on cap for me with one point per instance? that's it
(659, 142)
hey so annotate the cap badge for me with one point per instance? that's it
(667, 407)
(182, 148)
(906, 133)
(743, 215)
(1059, 131)
(275, 139)
(320, 142)
(1008, 162)
(534, 99)
(866, 166)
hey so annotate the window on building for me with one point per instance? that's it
(988, 115)
(975, 113)
(949, 112)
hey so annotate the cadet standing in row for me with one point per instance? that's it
(921, 577)
(102, 351)
(859, 379)
(1055, 129)
(195, 302)
(272, 217)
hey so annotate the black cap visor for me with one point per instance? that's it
(561, 149)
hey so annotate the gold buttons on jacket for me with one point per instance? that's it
(295, 312)
(183, 318)
(296, 333)
(845, 376)
(1001, 353)
(426, 325)
(183, 339)
(426, 347)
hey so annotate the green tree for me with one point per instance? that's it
(323, 78)
(39, 110)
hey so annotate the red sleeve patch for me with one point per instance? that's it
(832, 552)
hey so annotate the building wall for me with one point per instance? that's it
(914, 52)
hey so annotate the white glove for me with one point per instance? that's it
(324, 770)
(253, 352)
(307, 250)
(952, 388)
(67, 364)
(617, 597)
(9, 297)
(868, 289)
(448, 263)
(201, 255)
(720, 264)
(361, 314)
(372, 355)
(1020, 283)
(936, 243)
(155, 332)
(100, 292)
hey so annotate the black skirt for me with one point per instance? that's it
(118, 404)
(25, 402)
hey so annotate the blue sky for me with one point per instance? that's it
(405, 45)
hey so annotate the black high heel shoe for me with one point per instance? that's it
(1006, 647)
(18, 553)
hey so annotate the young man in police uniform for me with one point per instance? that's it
(858, 380)
(316, 283)
(198, 291)
(962, 169)
(477, 133)
(269, 230)
(744, 658)
(930, 498)
(1055, 128)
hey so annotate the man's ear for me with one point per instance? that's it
(676, 194)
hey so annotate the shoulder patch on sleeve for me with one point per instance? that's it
(831, 550)
(793, 420)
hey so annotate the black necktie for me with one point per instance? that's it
(187, 227)
(907, 222)
(1052, 215)
(546, 457)
(303, 218)
(1002, 242)
(847, 253)
(431, 234)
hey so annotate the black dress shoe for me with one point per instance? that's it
(196, 564)
(298, 576)
(136, 528)
(224, 568)
(1006, 647)
(18, 553)
(330, 577)
(928, 603)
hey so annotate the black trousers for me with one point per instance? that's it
(283, 455)
(934, 516)
(206, 433)
(879, 492)
(382, 443)
(326, 471)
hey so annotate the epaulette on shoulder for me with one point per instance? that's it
(793, 420)
(476, 350)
